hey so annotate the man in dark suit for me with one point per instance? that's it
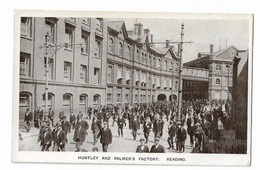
(40, 116)
(72, 121)
(135, 125)
(27, 120)
(80, 136)
(106, 137)
(46, 138)
(95, 127)
(142, 148)
(59, 139)
(120, 123)
(147, 128)
(171, 133)
(65, 124)
(157, 148)
(51, 115)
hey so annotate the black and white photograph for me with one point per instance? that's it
(90, 83)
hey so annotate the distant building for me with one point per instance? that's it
(220, 68)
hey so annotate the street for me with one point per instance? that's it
(119, 144)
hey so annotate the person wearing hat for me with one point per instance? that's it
(147, 128)
(46, 138)
(51, 116)
(72, 121)
(157, 148)
(120, 124)
(79, 138)
(95, 127)
(65, 124)
(59, 139)
(171, 133)
(135, 125)
(27, 120)
(105, 135)
(142, 148)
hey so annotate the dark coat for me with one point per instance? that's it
(60, 138)
(51, 114)
(84, 125)
(47, 138)
(172, 131)
(120, 122)
(147, 127)
(159, 149)
(28, 117)
(135, 125)
(72, 118)
(139, 150)
(80, 135)
(96, 126)
(106, 136)
(65, 125)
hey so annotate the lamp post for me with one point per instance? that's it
(180, 75)
(47, 45)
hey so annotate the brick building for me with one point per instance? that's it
(113, 65)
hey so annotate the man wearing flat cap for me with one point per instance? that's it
(142, 148)
(106, 137)
(157, 148)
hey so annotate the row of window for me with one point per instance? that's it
(127, 99)
(25, 70)
(219, 67)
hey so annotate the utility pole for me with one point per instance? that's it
(180, 75)
(47, 37)
(50, 51)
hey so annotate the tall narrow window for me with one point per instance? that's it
(109, 73)
(109, 97)
(99, 24)
(121, 49)
(218, 81)
(83, 74)
(128, 52)
(69, 35)
(67, 71)
(96, 76)
(97, 49)
(26, 26)
(111, 47)
(25, 64)
(85, 42)
(50, 28)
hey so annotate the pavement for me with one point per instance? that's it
(119, 144)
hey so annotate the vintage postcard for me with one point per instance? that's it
(132, 88)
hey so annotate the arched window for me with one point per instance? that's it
(128, 52)
(158, 63)
(137, 55)
(67, 104)
(83, 103)
(121, 49)
(50, 102)
(165, 65)
(171, 66)
(96, 100)
(111, 45)
(218, 67)
(25, 102)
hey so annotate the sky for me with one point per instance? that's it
(220, 33)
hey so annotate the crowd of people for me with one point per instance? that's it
(198, 118)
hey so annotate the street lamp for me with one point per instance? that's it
(47, 45)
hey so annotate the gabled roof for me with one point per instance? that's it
(116, 25)
(216, 53)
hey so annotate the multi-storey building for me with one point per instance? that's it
(111, 66)
(137, 71)
(76, 72)
(220, 66)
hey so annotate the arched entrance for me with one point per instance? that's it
(67, 103)
(96, 100)
(172, 97)
(161, 97)
(83, 103)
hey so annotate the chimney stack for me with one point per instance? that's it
(139, 30)
(211, 48)
(167, 43)
(151, 38)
